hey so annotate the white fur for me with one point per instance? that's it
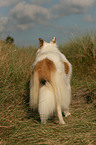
(58, 93)
(34, 91)
(46, 105)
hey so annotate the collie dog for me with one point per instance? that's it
(50, 88)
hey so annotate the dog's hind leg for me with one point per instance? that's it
(61, 121)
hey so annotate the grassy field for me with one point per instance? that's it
(19, 125)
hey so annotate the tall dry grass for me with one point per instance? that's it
(18, 125)
(15, 69)
(81, 51)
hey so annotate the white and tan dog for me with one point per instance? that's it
(50, 82)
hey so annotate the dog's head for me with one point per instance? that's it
(43, 44)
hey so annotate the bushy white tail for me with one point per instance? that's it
(46, 104)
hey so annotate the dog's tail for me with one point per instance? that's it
(34, 90)
(46, 105)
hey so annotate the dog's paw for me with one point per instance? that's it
(62, 122)
(67, 114)
(43, 121)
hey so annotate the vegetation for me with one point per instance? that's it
(9, 40)
(19, 125)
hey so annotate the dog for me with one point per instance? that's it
(50, 88)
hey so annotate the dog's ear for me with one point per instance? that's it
(41, 42)
(54, 40)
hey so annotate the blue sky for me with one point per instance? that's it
(27, 20)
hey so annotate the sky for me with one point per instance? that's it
(28, 20)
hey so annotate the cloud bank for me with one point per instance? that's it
(7, 3)
(24, 14)
(68, 7)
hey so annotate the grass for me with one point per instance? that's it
(19, 125)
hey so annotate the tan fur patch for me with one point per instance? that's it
(54, 40)
(41, 42)
(66, 67)
(44, 69)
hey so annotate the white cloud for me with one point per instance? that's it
(40, 2)
(80, 3)
(89, 18)
(26, 15)
(67, 7)
(7, 3)
(23, 16)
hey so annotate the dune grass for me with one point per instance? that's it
(19, 125)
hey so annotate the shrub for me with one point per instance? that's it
(9, 40)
